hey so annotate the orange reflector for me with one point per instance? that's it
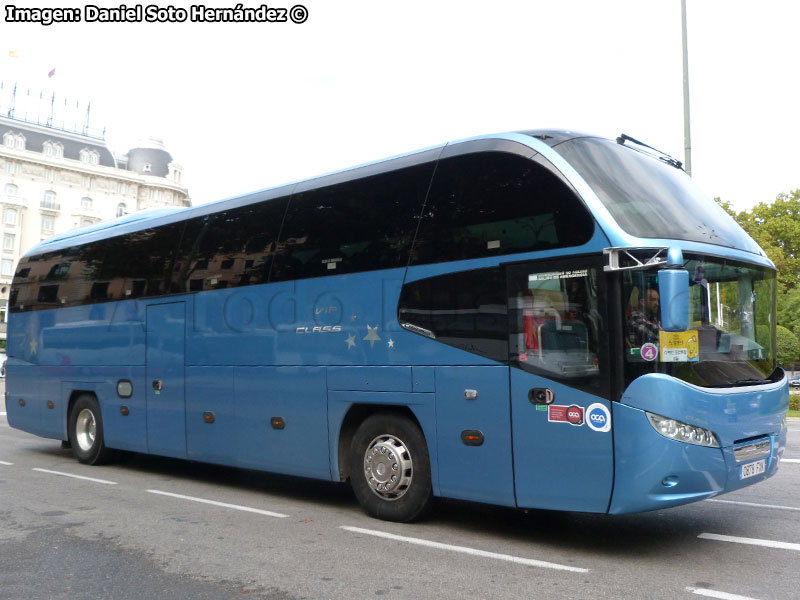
(50, 404)
(124, 410)
(208, 417)
(22, 401)
(472, 437)
(278, 423)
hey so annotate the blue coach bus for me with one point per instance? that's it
(538, 319)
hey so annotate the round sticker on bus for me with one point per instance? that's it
(649, 352)
(575, 415)
(598, 417)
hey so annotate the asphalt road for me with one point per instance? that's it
(147, 527)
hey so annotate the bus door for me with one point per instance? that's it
(166, 408)
(560, 409)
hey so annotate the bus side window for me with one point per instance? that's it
(556, 327)
(360, 225)
(497, 203)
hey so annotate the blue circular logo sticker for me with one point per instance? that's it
(598, 417)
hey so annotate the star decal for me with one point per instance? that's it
(372, 336)
(34, 345)
(353, 318)
(391, 343)
(350, 341)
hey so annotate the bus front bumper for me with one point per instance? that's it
(653, 472)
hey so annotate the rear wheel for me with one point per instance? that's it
(390, 469)
(86, 431)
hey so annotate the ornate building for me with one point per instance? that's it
(52, 180)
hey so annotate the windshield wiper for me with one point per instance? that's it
(752, 381)
(663, 156)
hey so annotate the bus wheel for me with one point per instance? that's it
(389, 468)
(86, 431)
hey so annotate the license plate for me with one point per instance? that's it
(753, 468)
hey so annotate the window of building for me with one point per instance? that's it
(58, 271)
(8, 139)
(8, 241)
(48, 294)
(54, 149)
(7, 267)
(49, 200)
(122, 209)
(122, 187)
(48, 223)
(19, 142)
(147, 168)
(11, 190)
(10, 216)
(86, 222)
(86, 202)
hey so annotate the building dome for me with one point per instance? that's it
(149, 157)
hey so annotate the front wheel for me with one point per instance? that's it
(86, 431)
(390, 469)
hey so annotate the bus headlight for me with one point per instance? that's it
(682, 432)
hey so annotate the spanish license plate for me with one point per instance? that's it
(753, 468)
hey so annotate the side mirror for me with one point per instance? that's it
(673, 289)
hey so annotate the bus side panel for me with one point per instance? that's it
(121, 431)
(298, 395)
(24, 403)
(211, 425)
(484, 472)
(422, 405)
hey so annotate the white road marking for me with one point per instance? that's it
(222, 504)
(790, 460)
(8, 464)
(716, 594)
(755, 504)
(465, 550)
(76, 476)
(750, 541)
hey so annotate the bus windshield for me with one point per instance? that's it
(650, 198)
(731, 336)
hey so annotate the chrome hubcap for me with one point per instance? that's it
(388, 467)
(85, 430)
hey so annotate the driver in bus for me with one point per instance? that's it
(644, 321)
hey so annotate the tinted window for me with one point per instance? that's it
(467, 310)
(353, 226)
(557, 325)
(230, 248)
(135, 264)
(493, 203)
(649, 198)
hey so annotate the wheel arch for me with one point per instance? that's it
(73, 397)
(356, 415)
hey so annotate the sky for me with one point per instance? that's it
(246, 106)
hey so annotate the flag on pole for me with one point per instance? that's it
(51, 73)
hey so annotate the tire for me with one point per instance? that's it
(86, 431)
(387, 446)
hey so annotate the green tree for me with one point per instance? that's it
(788, 347)
(776, 228)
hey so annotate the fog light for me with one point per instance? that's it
(682, 432)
